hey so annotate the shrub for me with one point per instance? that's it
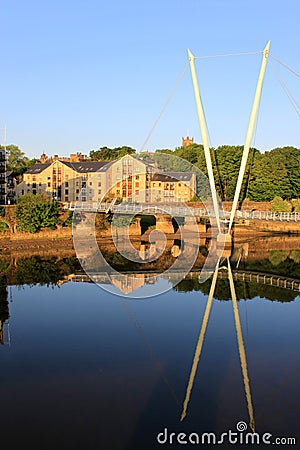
(34, 212)
(2, 211)
(296, 205)
(68, 221)
(3, 226)
(280, 205)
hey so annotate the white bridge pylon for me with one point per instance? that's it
(249, 135)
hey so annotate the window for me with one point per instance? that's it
(99, 191)
(66, 199)
(99, 183)
(48, 184)
(40, 184)
(66, 191)
(84, 199)
(77, 191)
(91, 183)
(137, 184)
(66, 177)
(66, 184)
(77, 183)
(137, 177)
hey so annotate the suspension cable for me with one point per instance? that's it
(284, 87)
(228, 54)
(164, 107)
(286, 66)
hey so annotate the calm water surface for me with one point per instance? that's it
(84, 369)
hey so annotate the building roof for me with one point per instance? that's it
(80, 167)
(89, 166)
(38, 168)
(172, 176)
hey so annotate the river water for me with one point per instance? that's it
(83, 368)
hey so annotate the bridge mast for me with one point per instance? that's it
(249, 135)
(204, 134)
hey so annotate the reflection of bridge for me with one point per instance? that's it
(138, 279)
(179, 211)
(264, 278)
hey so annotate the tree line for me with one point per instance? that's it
(274, 173)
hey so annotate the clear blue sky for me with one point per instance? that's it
(79, 75)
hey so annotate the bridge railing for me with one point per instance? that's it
(269, 215)
(173, 210)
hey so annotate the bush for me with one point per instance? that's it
(34, 212)
(280, 205)
(2, 211)
(296, 205)
(3, 226)
(69, 220)
(195, 198)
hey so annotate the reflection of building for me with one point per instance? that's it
(4, 313)
(128, 283)
(127, 178)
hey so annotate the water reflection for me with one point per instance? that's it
(241, 346)
(4, 316)
(265, 267)
(77, 360)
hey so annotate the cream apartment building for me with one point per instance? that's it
(127, 178)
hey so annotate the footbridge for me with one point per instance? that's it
(179, 211)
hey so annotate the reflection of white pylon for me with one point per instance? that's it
(242, 352)
(204, 134)
(200, 340)
(241, 346)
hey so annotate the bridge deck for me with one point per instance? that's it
(180, 211)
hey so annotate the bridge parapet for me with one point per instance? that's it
(180, 211)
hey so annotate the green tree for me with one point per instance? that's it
(110, 154)
(34, 212)
(17, 161)
(280, 205)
